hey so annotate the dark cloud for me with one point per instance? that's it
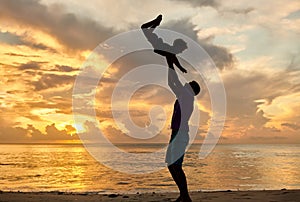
(220, 55)
(291, 126)
(65, 68)
(51, 81)
(31, 65)
(183, 26)
(264, 138)
(201, 3)
(217, 5)
(11, 39)
(21, 55)
(68, 29)
(294, 15)
(295, 62)
(14, 39)
(244, 11)
(41, 46)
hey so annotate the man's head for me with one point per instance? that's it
(195, 86)
(179, 45)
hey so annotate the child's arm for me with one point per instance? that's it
(173, 60)
(176, 62)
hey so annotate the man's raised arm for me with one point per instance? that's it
(173, 81)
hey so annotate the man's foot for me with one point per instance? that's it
(156, 21)
(186, 199)
(178, 199)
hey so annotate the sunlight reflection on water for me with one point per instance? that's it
(71, 168)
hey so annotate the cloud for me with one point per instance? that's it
(295, 62)
(78, 33)
(220, 55)
(115, 135)
(255, 85)
(291, 126)
(11, 39)
(65, 68)
(21, 55)
(14, 39)
(9, 133)
(67, 28)
(243, 11)
(250, 100)
(35, 87)
(201, 3)
(51, 134)
(294, 15)
(51, 81)
(30, 65)
(54, 134)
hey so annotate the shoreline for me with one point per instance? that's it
(284, 195)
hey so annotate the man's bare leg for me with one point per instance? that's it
(180, 180)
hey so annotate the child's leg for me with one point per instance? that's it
(148, 29)
(153, 23)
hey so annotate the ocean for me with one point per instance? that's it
(65, 167)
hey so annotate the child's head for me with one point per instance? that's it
(195, 86)
(179, 45)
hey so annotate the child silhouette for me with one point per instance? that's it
(161, 48)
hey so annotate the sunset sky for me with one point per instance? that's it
(254, 44)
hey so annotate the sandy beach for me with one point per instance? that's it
(218, 196)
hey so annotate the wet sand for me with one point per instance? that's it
(218, 196)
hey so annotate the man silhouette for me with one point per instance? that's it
(183, 106)
(182, 111)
